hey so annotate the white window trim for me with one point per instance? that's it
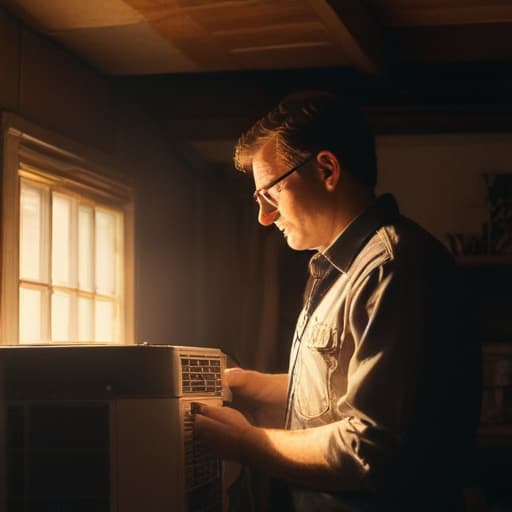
(31, 148)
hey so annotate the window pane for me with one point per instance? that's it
(85, 248)
(104, 321)
(61, 240)
(85, 319)
(61, 317)
(105, 252)
(32, 223)
(30, 329)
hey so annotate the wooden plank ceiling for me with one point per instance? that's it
(283, 45)
(175, 36)
(244, 34)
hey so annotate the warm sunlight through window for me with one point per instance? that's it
(67, 242)
(69, 267)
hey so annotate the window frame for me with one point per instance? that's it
(36, 153)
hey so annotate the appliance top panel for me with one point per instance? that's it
(101, 372)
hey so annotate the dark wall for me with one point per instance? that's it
(53, 89)
(167, 193)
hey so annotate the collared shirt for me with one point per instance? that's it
(381, 353)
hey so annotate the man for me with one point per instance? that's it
(381, 400)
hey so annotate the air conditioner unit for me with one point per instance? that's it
(108, 428)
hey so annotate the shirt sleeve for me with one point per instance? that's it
(400, 422)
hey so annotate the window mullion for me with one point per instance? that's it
(74, 269)
(120, 284)
(94, 265)
(46, 254)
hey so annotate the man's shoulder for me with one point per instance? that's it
(406, 240)
(402, 245)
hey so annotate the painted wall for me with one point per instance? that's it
(53, 89)
(166, 229)
(437, 179)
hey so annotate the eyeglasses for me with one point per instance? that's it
(263, 193)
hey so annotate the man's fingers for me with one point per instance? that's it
(202, 423)
(195, 407)
(217, 413)
(235, 377)
(199, 408)
(211, 431)
(206, 430)
(223, 429)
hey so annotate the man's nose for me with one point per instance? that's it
(267, 214)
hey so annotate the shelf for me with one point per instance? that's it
(484, 259)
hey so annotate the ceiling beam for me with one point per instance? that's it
(439, 13)
(209, 111)
(432, 119)
(356, 33)
(384, 119)
(458, 43)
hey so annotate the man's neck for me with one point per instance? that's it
(352, 209)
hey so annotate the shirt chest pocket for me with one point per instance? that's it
(317, 362)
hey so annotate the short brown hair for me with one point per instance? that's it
(307, 122)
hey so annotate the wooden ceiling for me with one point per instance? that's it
(136, 37)
(244, 34)
(416, 65)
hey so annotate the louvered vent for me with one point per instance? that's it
(201, 375)
(202, 472)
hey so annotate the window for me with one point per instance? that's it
(67, 272)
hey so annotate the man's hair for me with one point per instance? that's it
(304, 124)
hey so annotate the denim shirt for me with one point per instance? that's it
(376, 355)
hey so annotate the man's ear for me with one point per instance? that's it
(330, 169)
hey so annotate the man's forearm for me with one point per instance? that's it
(310, 458)
(337, 456)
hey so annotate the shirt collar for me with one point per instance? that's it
(342, 252)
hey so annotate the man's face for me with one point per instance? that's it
(297, 209)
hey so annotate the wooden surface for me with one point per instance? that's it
(245, 34)
(228, 35)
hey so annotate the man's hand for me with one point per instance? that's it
(261, 396)
(300, 456)
(225, 431)
(259, 387)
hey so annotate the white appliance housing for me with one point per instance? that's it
(109, 428)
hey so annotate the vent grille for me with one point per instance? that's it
(201, 375)
(202, 472)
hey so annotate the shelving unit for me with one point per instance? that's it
(490, 278)
(493, 463)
